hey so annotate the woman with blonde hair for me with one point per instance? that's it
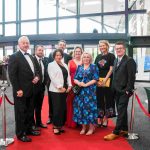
(85, 103)
(72, 65)
(105, 99)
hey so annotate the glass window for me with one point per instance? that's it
(47, 50)
(1, 30)
(10, 10)
(1, 54)
(138, 4)
(28, 28)
(67, 7)
(90, 25)
(8, 50)
(90, 6)
(67, 25)
(114, 5)
(139, 24)
(142, 59)
(47, 27)
(28, 9)
(1, 10)
(10, 29)
(114, 24)
(47, 8)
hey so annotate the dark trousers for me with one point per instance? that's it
(50, 105)
(105, 100)
(122, 118)
(59, 108)
(23, 114)
(38, 101)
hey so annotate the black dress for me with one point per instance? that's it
(59, 102)
(105, 97)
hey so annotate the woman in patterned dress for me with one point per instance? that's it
(85, 103)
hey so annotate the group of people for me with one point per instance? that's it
(104, 83)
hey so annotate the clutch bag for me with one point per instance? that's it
(76, 89)
(107, 84)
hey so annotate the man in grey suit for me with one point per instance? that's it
(123, 85)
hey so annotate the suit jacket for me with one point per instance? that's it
(40, 86)
(67, 57)
(56, 76)
(20, 74)
(124, 75)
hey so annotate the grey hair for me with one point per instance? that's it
(23, 37)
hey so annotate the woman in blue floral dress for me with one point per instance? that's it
(85, 103)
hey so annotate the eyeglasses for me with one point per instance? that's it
(121, 48)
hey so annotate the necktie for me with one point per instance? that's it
(118, 62)
(40, 63)
(26, 53)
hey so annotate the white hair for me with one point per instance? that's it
(23, 38)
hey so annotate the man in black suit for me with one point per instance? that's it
(65, 59)
(23, 76)
(40, 86)
(123, 85)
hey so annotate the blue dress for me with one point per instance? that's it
(85, 104)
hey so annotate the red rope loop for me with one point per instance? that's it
(9, 100)
(141, 106)
(1, 100)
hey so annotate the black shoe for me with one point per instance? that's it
(24, 138)
(35, 128)
(41, 125)
(56, 132)
(34, 133)
(49, 121)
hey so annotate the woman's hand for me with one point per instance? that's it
(68, 89)
(83, 84)
(62, 90)
(99, 84)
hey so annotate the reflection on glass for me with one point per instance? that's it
(0, 10)
(0, 29)
(47, 50)
(136, 5)
(10, 10)
(8, 50)
(1, 53)
(47, 27)
(28, 9)
(90, 6)
(67, 7)
(90, 25)
(47, 8)
(67, 25)
(114, 24)
(10, 29)
(139, 24)
(28, 28)
(142, 59)
(114, 5)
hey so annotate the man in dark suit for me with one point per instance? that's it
(123, 85)
(40, 86)
(23, 76)
(65, 59)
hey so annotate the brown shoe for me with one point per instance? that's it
(123, 133)
(110, 137)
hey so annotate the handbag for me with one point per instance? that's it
(76, 89)
(107, 84)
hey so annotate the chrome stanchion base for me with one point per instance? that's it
(7, 142)
(133, 136)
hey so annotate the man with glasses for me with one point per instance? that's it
(123, 85)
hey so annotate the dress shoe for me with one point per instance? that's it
(41, 125)
(24, 138)
(56, 131)
(82, 131)
(123, 133)
(62, 130)
(36, 128)
(49, 121)
(34, 133)
(111, 137)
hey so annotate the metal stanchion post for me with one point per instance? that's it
(4, 141)
(131, 135)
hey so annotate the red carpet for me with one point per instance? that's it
(71, 139)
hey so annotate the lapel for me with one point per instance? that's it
(25, 62)
(122, 60)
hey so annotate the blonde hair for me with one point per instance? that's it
(91, 58)
(75, 50)
(105, 42)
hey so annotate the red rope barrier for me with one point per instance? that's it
(141, 106)
(9, 100)
(1, 100)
